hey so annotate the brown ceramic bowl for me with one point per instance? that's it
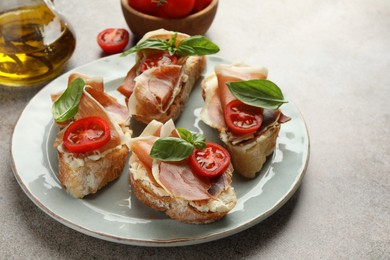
(195, 24)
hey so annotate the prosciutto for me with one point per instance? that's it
(176, 178)
(95, 102)
(217, 95)
(180, 180)
(128, 85)
(155, 90)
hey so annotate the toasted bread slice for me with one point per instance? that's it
(192, 212)
(249, 157)
(174, 188)
(86, 175)
(248, 153)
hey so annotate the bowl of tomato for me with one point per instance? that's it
(193, 17)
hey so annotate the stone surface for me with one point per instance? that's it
(332, 59)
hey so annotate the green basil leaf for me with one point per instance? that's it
(185, 134)
(199, 141)
(156, 44)
(259, 93)
(197, 46)
(191, 46)
(196, 139)
(67, 105)
(171, 149)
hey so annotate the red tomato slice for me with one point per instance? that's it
(175, 8)
(211, 161)
(157, 60)
(113, 40)
(86, 134)
(241, 118)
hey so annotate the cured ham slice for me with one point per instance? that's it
(176, 178)
(128, 85)
(95, 102)
(217, 95)
(180, 180)
(233, 73)
(155, 90)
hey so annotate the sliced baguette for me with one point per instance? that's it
(249, 154)
(85, 175)
(248, 158)
(192, 212)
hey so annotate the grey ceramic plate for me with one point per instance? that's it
(114, 214)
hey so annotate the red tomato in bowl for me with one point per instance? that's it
(241, 118)
(200, 5)
(86, 134)
(144, 6)
(211, 161)
(175, 8)
(113, 40)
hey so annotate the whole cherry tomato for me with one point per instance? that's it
(211, 161)
(144, 6)
(241, 118)
(175, 8)
(200, 5)
(113, 40)
(157, 60)
(86, 134)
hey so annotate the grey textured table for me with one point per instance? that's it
(332, 59)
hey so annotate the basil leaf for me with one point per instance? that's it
(191, 46)
(156, 44)
(196, 139)
(259, 93)
(171, 149)
(67, 105)
(199, 141)
(185, 134)
(197, 46)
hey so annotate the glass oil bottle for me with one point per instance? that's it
(35, 42)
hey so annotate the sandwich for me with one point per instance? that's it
(244, 108)
(175, 171)
(92, 142)
(166, 68)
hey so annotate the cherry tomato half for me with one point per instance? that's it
(175, 8)
(211, 161)
(86, 134)
(241, 118)
(113, 40)
(157, 60)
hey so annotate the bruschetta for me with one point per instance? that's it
(195, 189)
(92, 142)
(249, 132)
(167, 66)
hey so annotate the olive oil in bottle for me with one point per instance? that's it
(35, 44)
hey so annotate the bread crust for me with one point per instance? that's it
(249, 158)
(177, 208)
(90, 175)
